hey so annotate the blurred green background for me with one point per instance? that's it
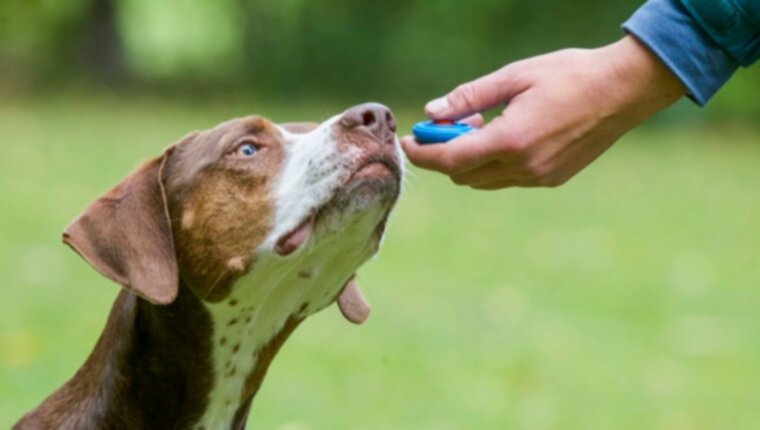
(626, 299)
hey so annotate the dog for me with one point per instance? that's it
(223, 245)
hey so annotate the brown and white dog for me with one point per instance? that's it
(223, 245)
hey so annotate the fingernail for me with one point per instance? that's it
(437, 106)
(406, 141)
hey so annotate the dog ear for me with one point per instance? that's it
(126, 235)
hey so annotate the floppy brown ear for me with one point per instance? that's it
(126, 235)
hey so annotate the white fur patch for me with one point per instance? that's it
(278, 287)
(311, 173)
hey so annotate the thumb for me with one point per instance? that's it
(476, 96)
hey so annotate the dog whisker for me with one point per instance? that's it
(223, 298)
(216, 283)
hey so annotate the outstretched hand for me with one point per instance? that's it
(564, 109)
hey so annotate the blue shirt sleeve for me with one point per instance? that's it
(668, 29)
(732, 24)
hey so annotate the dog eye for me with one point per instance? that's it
(247, 150)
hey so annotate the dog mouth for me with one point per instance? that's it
(292, 240)
(374, 176)
(376, 167)
(374, 170)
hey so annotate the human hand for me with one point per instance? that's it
(564, 110)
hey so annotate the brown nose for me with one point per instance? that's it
(376, 118)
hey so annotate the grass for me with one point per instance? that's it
(626, 299)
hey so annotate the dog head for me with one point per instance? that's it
(307, 201)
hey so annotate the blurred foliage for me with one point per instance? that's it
(397, 49)
(626, 299)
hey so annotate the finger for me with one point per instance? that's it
(476, 96)
(494, 186)
(572, 159)
(476, 120)
(486, 174)
(458, 155)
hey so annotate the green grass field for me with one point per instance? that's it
(627, 299)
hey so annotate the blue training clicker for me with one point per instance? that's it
(439, 131)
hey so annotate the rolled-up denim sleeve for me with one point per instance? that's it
(671, 33)
(732, 24)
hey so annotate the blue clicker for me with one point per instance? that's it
(439, 131)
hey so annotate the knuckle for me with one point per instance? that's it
(447, 163)
(514, 144)
(466, 96)
(458, 180)
(560, 181)
(554, 182)
(536, 172)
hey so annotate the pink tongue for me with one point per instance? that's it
(352, 303)
(291, 241)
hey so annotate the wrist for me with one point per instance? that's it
(644, 82)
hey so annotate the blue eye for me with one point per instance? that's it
(247, 150)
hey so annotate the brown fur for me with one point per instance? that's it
(218, 191)
(264, 358)
(133, 378)
(175, 233)
(103, 235)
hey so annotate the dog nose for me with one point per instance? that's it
(376, 118)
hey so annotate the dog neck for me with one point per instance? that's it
(197, 364)
(251, 324)
(153, 367)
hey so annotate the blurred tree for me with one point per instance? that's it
(181, 43)
(335, 46)
(59, 40)
(395, 48)
(99, 42)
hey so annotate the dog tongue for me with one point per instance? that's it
(291, 241)
(352, 304)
